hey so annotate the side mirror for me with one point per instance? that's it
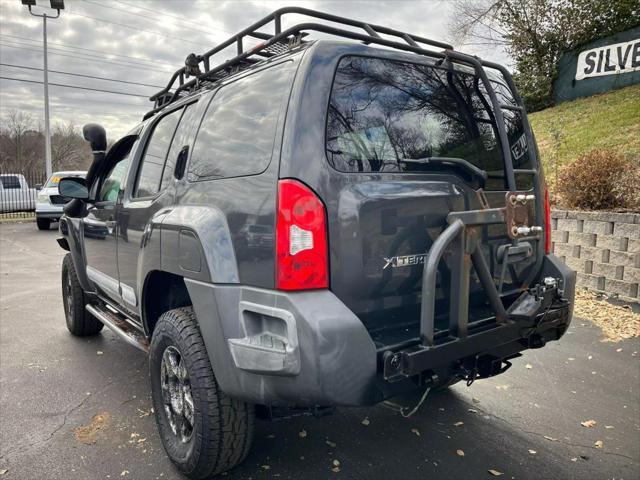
(73, 187)
(96, 136)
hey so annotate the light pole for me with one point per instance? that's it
(57, 5)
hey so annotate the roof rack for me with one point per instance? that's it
(274, 44)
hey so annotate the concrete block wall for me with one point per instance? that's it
(602, 247)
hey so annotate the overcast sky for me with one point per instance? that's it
(144, 41)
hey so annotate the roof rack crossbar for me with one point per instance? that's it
(372, 33)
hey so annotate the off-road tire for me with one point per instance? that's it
(223, 427)
(43, 223)
(79, 322)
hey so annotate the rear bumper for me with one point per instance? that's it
(307, 348)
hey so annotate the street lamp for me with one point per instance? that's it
(56, 5)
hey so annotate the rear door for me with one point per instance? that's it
(408, 144)
(151, 190)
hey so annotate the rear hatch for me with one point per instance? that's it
(410, 143)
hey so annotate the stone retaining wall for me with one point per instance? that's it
(603, 247)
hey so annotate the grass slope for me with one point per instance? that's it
(610, 120)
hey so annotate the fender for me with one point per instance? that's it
(192, 242)
(71, 230)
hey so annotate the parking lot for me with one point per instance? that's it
(76, 408)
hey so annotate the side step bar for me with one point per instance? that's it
(120, 327)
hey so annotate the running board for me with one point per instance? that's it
(120, 327)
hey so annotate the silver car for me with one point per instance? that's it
(49, 203)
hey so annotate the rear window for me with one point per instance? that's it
(388, 116)
(10, 182)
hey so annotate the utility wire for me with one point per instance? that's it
(87, 59)
(137, 29)
(73, 86)
(80, 75)
(101, 52)
(154, 19)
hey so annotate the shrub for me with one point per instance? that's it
(600, 180)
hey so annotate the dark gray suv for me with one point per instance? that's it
(311, 224)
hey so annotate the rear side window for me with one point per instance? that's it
(152, 163)
(389, 116)
(238, 129)
(182, 138)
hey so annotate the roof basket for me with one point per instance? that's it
(199, 66)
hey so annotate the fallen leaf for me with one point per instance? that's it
(472, 410)
(589, 423)
(574, 459)
(502, 387)
(415, 430)
(458, 424)
(532, 452)
(589, 357)
(475, 400)
(366, 421)
(571, 359)
(331, 444)
(336, 463)
(599, 444)
(99, 352)
(3, 471)
(460, 453)
(335, 469)
(302, 434)
(528, 366)
(124, 473)
(495, 473)
(551, 438)
(609, 427)
(618, 350)
(265, 467)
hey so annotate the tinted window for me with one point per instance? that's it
(238, 130)
(180, 139)
(387, 116)
(155, 154)
(10, 181)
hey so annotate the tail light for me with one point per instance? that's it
(547, 221)
(301, 238)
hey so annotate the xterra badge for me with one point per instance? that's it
(404, 261)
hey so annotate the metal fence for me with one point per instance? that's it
(19, 192)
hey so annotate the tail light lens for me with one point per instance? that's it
(301, 238)
(547, 221)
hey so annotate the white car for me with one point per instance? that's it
(50, 204)
(15, 194)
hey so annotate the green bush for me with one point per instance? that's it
(600, 180)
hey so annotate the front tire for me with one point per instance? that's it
(43, 223)
(203, 431)
(79, 322)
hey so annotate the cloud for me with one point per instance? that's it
(145, 41)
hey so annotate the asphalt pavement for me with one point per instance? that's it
(74, 408)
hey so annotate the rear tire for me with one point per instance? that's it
(203, 431)
(43, 223)
(79, 322)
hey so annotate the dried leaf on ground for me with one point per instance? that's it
(589, 423)
(336, 463)
(460, 453)
(302, 433)
(3, 471)
(599, 444)
(331, 444)
(124, 473)
(502, 387)
(495, 473)
(366, 421)
(616, 322)
(528, 366)
(415, 430)
(532, 452)
(458, 424)
(551, 438)
(609, 427)
(266, 467)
